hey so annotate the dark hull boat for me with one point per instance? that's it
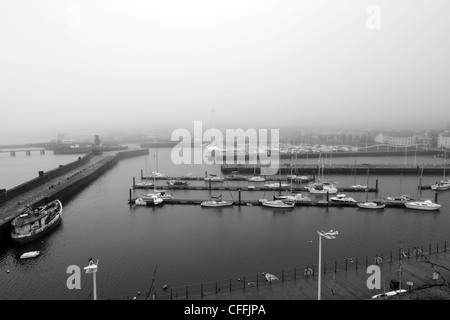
(34, 223)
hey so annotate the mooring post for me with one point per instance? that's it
(436, 197)
(134, 182)
(279, 189)
(206, 173)
(142, 174)
(239, 203)
(376, 185)
(129, 194)
(328, 197)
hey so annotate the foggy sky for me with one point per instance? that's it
(86, 67)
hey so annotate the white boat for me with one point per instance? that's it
(359, 187)
(371, 205)
(148, 203)
(144, 185)
(270, 277)
(214, 179)
(214, 203)
(161, 195)
(277, 185)
(298, 197)
(277, 204)
(257, 179)
(427, 205)
(177, 183)
(441, 186)
(35, 222)
(322, 188)
(388, 294)
(156, 174)
(342, 198)
(397, 199)
(31, 254)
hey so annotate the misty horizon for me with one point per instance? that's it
(92, 67)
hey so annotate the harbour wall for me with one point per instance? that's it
(74, 183)
(42, 178)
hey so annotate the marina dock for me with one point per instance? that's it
(60, 183)
(361, 169)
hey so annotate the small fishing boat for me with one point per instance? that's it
(30, 254)
(441, 186)
(161, 195)
(277, 204)
(214, 179)
(217, 202)
(213, 203)
(427, 205)
(177, 183)
(371, 205)
(342, 198)
(148, 203)
(322, 188)
(144, 185)
(298, 197)
(397, 199)
(257, 179)
(35, 222)
(277, 185)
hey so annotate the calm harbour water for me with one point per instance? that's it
(192, 244)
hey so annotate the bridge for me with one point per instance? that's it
(27, 151)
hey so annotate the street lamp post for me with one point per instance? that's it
(329, 235)
(92, 268)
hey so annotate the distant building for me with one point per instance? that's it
(444, 140)
(397, 138)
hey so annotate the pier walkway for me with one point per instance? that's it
(341, 280)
